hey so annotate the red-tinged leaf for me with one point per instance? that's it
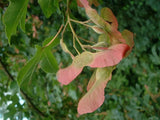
(97, 29)
(95, 2)
(128, 36)
(108, 15)
(95, 96)
(67, 75)
(85, 3)
(94, 16)
(110, 57)
(79, 3)
(116, 37)
(91, 81)
(100, 48)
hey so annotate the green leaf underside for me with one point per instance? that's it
(48, 6)
(22, 22)
(27, 71)
(15, 14)
(49, 63)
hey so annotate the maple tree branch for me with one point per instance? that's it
(27, 98)
(6, 70)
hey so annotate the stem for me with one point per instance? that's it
(64, 29)
(54, 36)
(74, 34)
(83, 23)
(86, 40)
(61, 41)
(88, 46)
(87, 21)
(74, 45)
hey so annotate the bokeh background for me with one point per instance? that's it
(132, 94)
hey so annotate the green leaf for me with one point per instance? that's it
(48, 6)
(15, 14)
(27, 71)
(22, 22)
(53, 44)
(49, 63)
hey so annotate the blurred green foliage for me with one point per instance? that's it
(132, 94)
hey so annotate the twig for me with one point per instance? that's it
(86, 40)
(74, 34)
(54, 36)
(6, 70)
(82, 23)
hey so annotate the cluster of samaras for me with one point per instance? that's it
(111, 48)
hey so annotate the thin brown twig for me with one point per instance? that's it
(54, 36)
(86, 40)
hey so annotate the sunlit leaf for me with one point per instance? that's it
(15, 14)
